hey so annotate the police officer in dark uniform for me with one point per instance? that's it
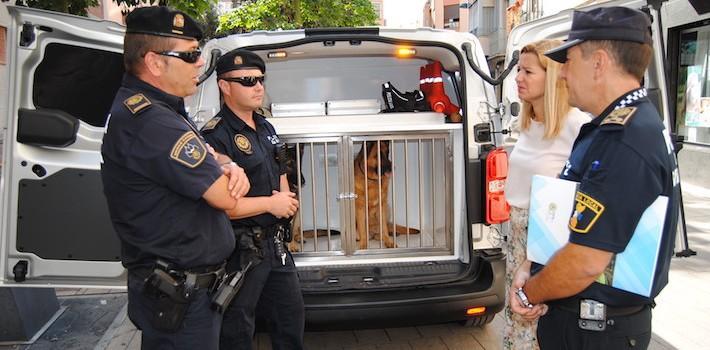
(271, 287)
(623, 160)
(166, 191)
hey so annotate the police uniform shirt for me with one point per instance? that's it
(155, 170)
(253, 150)
(623, 160)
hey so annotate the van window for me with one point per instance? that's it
(691, 78)
(78, 80)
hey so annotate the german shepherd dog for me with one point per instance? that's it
(373, 172)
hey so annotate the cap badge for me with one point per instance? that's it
(238, 60)
(243, 143)
(179, 21)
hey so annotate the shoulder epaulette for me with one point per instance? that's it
(619, 116)
(263, 112)
(211, 124)
(137, 103)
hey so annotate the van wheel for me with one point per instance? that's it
(477, 321)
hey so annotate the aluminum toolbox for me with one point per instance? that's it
(348, 107)
(304, 109)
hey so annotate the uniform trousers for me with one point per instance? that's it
(199, 330)
(559, 329)
(272, 291)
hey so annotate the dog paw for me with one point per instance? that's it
(293, 246)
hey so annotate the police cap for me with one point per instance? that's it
(163, 21)
(239, 59)
(604, 23)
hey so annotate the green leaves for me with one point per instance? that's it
(294, 14)
(74, 7)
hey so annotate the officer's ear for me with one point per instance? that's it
(154, 63)
(223, 87)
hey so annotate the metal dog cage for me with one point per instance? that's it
(419, 197)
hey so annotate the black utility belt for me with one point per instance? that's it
(202, 277)
(594, 315)
(260, 232)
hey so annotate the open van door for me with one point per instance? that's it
(557, 27)
(55, 229)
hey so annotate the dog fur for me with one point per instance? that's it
(373, 173)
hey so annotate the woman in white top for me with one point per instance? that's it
(548, 127)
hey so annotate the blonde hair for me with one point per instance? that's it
(556, 105)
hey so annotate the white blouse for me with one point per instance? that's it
(534, 155)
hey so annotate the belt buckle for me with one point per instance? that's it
(592, 315)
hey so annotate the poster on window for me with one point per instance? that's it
(697, 107)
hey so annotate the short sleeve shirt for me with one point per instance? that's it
(155, 169)
(623, 160)
(252, 149)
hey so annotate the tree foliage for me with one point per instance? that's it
(293, 14)
(197, 9)
(74, 7)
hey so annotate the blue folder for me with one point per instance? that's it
(551, 206)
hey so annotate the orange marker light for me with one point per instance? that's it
(406, 52)
(475, 311)
(277, 54)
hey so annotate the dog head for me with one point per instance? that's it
(378, 153)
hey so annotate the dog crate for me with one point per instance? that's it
(418, 201)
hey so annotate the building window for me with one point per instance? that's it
(691, 80)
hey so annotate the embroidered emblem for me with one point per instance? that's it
(211, 124)
(238, 60)
(243, 143)
(586, 212)
(136, 103)
(178, 23)
(619, 116)
(189, 150)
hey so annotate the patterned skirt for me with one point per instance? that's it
(517, 333)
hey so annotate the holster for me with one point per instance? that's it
(171, 292)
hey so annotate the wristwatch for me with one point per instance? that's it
(523, 298)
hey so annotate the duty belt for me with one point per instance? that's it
(202, 278)
(572, 305)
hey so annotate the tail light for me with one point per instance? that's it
(497, 208)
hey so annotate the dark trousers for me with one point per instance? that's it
(200, 328)
(270, 290)
(559, 329)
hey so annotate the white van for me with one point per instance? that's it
(324, 89)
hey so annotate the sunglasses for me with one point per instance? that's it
(187, 56)
(247, 81)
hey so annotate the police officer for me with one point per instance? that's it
(166, 193)
(623, 160)
(271, 286)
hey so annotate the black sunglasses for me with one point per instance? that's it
(187, 56)
(247, 81)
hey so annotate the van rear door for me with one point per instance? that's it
(63, 73)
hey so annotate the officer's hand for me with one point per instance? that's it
(283, 204)
(528, 314)
(238, 182)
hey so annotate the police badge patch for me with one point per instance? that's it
(243, 143)
(586, 212)
(188, 150)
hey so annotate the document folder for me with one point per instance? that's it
(551, 206)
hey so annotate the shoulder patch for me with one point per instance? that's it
(137, 103)
(189, 150)
(211, 124)
(619, 116)
(586, 212)
(263, 112)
